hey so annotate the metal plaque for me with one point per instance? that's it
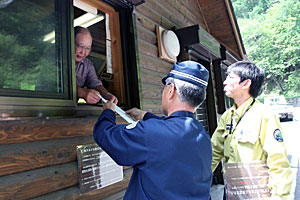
(247, 181)
(96, 169)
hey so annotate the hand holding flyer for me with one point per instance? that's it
(121, 112)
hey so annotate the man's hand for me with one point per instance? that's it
(111, 97)
(92, 96)
(136, 113)
(106, 95)
(109, 105)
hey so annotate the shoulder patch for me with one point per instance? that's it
(228, 126)
(131, 126)
(277, 135)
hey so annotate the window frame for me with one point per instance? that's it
(117, 60)
(124, 50)
(124, 54)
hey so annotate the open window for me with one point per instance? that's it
(106, 54)
(113, 50)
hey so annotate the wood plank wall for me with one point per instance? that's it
(38, 159)
(168, 14)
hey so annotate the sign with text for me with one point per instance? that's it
(96, 169)
(247, 181)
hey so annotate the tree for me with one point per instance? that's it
(250, 8)
(271, 36)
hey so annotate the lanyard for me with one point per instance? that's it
(230, 130)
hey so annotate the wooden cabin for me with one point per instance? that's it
(42, 121)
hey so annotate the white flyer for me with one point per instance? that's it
(121, 112)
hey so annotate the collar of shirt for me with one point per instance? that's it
(80, 62)
(237, 112)
(181, 113)
(78, 65)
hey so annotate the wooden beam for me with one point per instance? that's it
(74, 193)
(32, 155)
(203, 16)
(38, 130)
(235, 28)
(38, 182)
(46, 181)
(99, 4)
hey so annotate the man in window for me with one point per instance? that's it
(85, 72)
(171, 155)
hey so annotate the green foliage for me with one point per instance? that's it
(14, 59)
(28, 62)
(250, 8)
(271, 35)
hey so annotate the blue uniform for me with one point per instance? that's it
(171, 156)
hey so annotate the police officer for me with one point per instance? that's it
(171, 155)
(248, 131)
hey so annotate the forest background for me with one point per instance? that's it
(270, 31)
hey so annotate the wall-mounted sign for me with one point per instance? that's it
(96, 169)
(247, 181)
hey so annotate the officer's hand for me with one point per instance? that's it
(111, 97)
(136, 113)
(109, 105)
(92, 96)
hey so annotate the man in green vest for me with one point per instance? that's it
(248, 131)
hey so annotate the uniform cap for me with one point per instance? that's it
(189, 71)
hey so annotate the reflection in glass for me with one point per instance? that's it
(27, 60)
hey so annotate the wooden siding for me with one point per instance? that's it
(38, 157)
(169, 14)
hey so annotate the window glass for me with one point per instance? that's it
(29, 46)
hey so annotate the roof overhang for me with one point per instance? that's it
(221, 23)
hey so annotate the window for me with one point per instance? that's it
(103, 23)
(31, 53)
(37, 65)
